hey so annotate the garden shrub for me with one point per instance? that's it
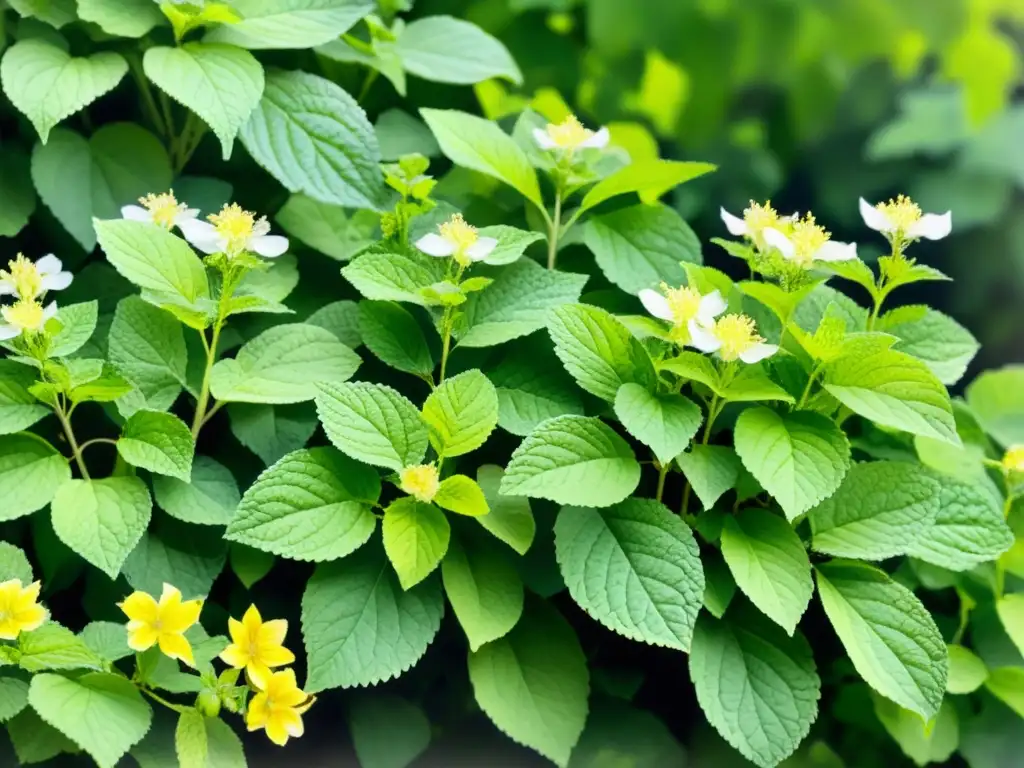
(226, 468)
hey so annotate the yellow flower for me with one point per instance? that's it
(682, 306)
(902, 219)
(1013, 460)
(256, 646)
(26, 280)
(807, 242)
(733, 337)
(164, 623)
(756, 219)
(420, 481)
(459, 240)
(164, 210)
(19, 611)
(233, 231)
(569, 136)
(279, 708)
(25, 315)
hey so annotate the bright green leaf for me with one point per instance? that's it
(711, 470)
(159, 442)
(650, 179)
(416, 538)
(31, 471)
(394, 335)
(209, 497)
(664, 423)
(967, 672)
(510, 518)
(450, 50)
(290, 23)
(461, 413)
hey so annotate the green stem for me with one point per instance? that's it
(555, 230)
(446, 341)
(714, 409)
(204, 391)
(156, 697)
(76, 449)
(371, 78)
(148, 101)
(662, 474)
(95, 441)
(165, 106)
(807, 390)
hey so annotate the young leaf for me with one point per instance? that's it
(159, 442)
(938, 340)
(461, 495)
(879, 511)
(461, 413)
(387, 731)
(650, 179)
(691, 366)
(393, 334)
(799, 457)
(52, 647)
(573, 460)
(314, 504)
(283, 365)
(758, 688)
(512, 243)
(770, 565)
(360, 627)
(207, 741)
(449, 50)
(209, 497)
(752, 385)
(102, 520)
(891, 638)
(19, 409)
(634, 567)
(372, 423)
(148, 347)
(416, 537)
(533, 683)
(290, 23)
(31, 471)
(711, 470)
(78, 322)
(386, 273)
(664, 423)
(510, 518)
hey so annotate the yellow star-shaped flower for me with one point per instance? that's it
(278, 708)
(161, 623)
(256, 646)
(19, 611)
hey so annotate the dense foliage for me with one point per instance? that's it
(441, 422)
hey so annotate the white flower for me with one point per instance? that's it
(806, 242)
(902, 218)
(570, 135)
(163, 210)
(25, 280)
(733, 337)
(681, 306)
(458, 239)
(25, 315)
(756, 219)
(233, 231)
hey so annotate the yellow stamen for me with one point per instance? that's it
(164, 208)
(737, 333)
(420, 481)
(459, 233)
(683, 302)
(234, 225)
(25, 314)
(807, 238)
(24, 276)
(1013, 461)
(568, 134)
(902, 212)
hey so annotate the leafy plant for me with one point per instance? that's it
(761, 478)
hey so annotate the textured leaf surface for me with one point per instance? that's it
(664, 423)
(393, 334)
(711, 470)
(159, 442)
(461, 413)
(450, 50)
(510, 518)
(209, 497)
(31, 471)
(938, 340)
(191, 562)
(272, 431)
(416, 537)
(532, 387)
(148, 347)
(634, 567)
(52, 646)
(18, 408)
(393, 274)
(290, 23)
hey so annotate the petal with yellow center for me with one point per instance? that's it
(272, 632)
(141, 636)
(140, 606)
(177, 647)
(236, 656)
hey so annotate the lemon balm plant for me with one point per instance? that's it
(523, 401)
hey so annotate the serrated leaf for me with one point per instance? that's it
(372, 423)
(387, 731)
(510, 518)
(13, 697)
(889, 635)
(393, 334)
(313, 137)
(209, 497)
(148, 347)
(313, 504)
(533, 683)
(106, 639)
(461, 413)
(207, 742)
(800, 457)
(123, 18)
(327, 228)
(450, 50)
(35, 741)
(52, 646)
(386, 273)
(102, 520)
(102, 713)
(78, 322)
(290, 23)
(770, 565)
(416, 537)
(272, 431)
(19, 409)
(220, 83)
(283, 365)
(31, 472)
(938, 340)
(634, 567)
(532, 387)
(751, 384)
(664, 423)
(879, 511)
(757, 687)
(360, 627)
(997, 399)
(573, 460)
(1011, 613)
(340, 318)
(711, 470)
(175, 555)
(460, 494)
(159, 442)
(14, 564)
(47, 85)
(650, 179)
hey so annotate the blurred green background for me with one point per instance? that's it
(811, 103)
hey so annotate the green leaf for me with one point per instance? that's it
(272, 431)
(394, 335)
(207, 742)
(532, 387)
(283, 365)
(664, 423)
(533, 683)
(449, 50)
(13, 697)
(104, 386)
(327, 228)
(401, 134)
(153, 259)
(634, 567)
(220, 83)
(879, 511)
(372, 423)
(693, 367)
(641, 246)
(17, 196)
(290, 23)
(997, 399)
(889, 635)
(178, 555)
(340, 318)
(249, 565)
(752, 385)
(938, 340)
(461, 413)
(148, 347)
(483, 587)
(106, 639)
(894, 390)
(757, 687)
(385, 273)
(799, 457)
(512, 243)
(56, 13)
(313, 504)
(209, 497)
(34, 741)
(122, 18)
(480, 145)
(1011, 613)
(52, 646)
(102, 713)
(923, 742)
(46, 84)
(517, 303)
(650, 179)
(78, 322)
(967, 672)
(770, 565)
(573, 460)
(159, 442)
(1007, 684)
(510, 518)
(102, 520)
(416, 537)
(618, 731)
(360, 627)
(387, 731)
(14, 564)
(31, 471)
(313, 137)
(599, 351)
(711, 470)
(969, 528)
(19, 409)
(462, 495)
(122, 161)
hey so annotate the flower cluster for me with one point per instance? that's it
(28, 283)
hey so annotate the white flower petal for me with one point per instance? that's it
(777, 240)
(482, 248)
(187, 214)
(702, 339)
(655, 304)
(202, 235)
(9, 332)
(736, 226)
(932, 226)
(270, 246)
(48, 265)
(261, 227)
(7, 288)
(50, 311)
(543, 139)
(57, 282)
(136, 213)
(874, 218)
(435, 245)
(598, 141)
(758, 352)
(711, 306)
(836, 251)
